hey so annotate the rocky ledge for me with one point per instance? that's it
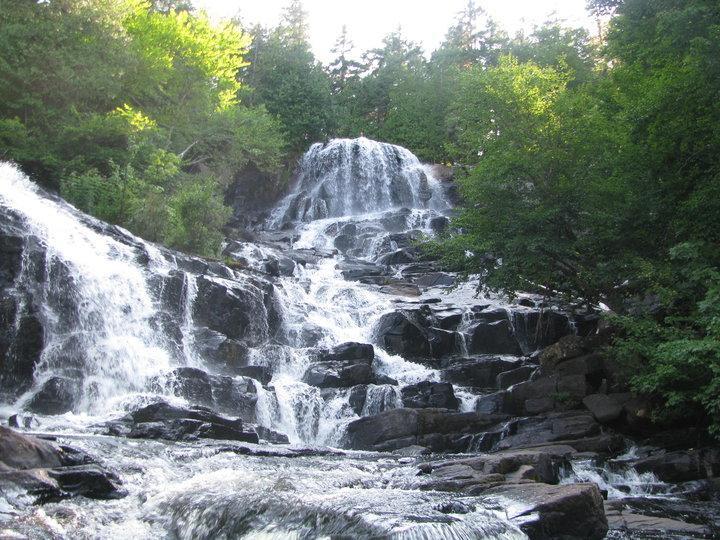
(50, 472)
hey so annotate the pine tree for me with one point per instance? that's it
(343, 68)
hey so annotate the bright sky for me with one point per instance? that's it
(368, 21)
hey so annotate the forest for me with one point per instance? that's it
(589, 166)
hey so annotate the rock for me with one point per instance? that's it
(427, 394)
(401, 256)
(241, 312)
(443, 342)
(437, 429)
(547, 393)
(604, 408)
(539, 328)
(355, 270)
(435, 279)
(471, 474)
(271, 436)
(232, 394)
(439, 224)
(398, 333)
(20, 451)
(551, 428)
(479, 372)
(280, 266)
(543, 511)
(329, 375)
(508, 378)
(448, 319)
(262, 374)
(565, 348)
(90, 481)
(494, 337)
(51, 473)
(164, 421)
(23, 421)
(349, 352)
(682, 465)
(56, 396)
(346, 365)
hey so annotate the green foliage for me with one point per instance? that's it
(197, 214)
(602, 184)
(114, 102)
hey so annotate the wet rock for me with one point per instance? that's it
(479, 372)
(330, 375)
(544, 511)
(566, 348)
(435, 279)
(400, 288)
(271, 436)
(399, 333)
(474, 474)
(240, 312)
(401, 256)
(164, 421)
(539, 328)
(514, 376)
(683, 465)
(237, 395)
(439, 224)
(343, 366)
(354, 270)
(448, 319)
(56, 396)
(280, 266)
(50, 472)
(603, 408)
(227, 355)
(493, 337)
(262, 374)
(427, 394)
(443, 342)
(23, 421)
(348, 352)
(551, 428)
(437, 429)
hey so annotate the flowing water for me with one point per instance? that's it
(119, 315)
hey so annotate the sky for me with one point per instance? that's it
(368, 21)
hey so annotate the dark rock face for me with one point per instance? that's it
(399, 333)
(493, 337)
(240, 313)
(427, 394)
(348, 364)
(49, 472)
(682, 466)
(235, 395)
(56, 396)
(164, 421)
(436, 429)
(479, 372)
(571, 512)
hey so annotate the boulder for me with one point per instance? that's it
(682, 465)
(535, 329)
(237, 395)
(543, 511)
(164, 421)
(564, 349)
(507, 379)
(439, 430)
(243, 312)
(399, 333)
(493, 337)
(479, 372)
(554, 427)
(435, 279)
(401, 256)
(604, 408)
(345, 365)
(50, 472)
(56, 396)
(427, 394)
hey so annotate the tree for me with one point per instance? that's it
(343, 68)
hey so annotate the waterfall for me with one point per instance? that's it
(346, 177)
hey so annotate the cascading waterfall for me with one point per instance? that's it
(103, 341)
(347, 177)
